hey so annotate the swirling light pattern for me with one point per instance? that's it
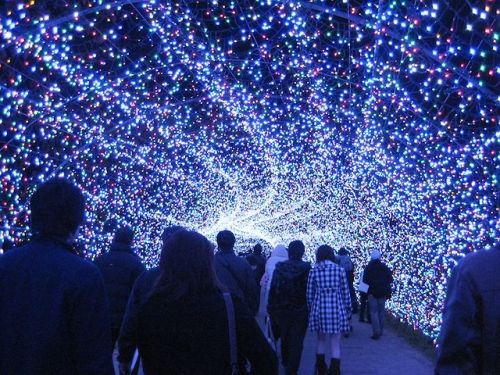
(354, 123)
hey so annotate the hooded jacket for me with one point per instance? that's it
(279, 254)
(288, 287)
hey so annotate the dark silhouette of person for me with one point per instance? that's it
(287, 305)
(120, 267)
(54, 314)
(347, 264)
(258, 263)
(183, 327)
(235, 273)
(379, 278)
(141, 291)
(364, 308)
(7, 245)
(469, 342)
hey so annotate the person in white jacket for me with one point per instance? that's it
(279, 254)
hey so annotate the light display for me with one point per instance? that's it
(353, 123)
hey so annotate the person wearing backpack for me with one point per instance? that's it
(287, 305)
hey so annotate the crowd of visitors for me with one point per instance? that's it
(196, 312)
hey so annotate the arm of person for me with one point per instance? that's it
(366, 275)
(90, 326)
(252, 344)
(459, 340)
(346, 296)
(311, 289)
(127, 339)
(272, 293)
(252, 291)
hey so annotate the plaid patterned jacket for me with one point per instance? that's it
(328, 299)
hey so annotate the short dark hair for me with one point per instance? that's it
(296, 249)
(57, 208)
(168, 231)
(187, 267)
(257, 249)
(324, 252)
(124, 235)
(343, 251)
(226, 240)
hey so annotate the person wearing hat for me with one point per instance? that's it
(379, 278)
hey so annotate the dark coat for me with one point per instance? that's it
(379, 278)
(191, 337)
(469, 342)
(120, 267)
(140, 293)
(54, 316)
(236, 274)
(288, 287)
(258, 264)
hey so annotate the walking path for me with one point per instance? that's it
(360, 355)
(391, 355)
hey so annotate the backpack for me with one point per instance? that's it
(287, 294)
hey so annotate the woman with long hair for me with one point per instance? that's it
(183, 327)
(329, 305)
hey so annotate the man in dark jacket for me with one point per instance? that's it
(469, 342)
(54, 315)
(287, 305)
(235, 273)
(379, 278)
(139, 295)
(258, 262)
(120, 267)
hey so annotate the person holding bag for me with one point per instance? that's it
(186, 325)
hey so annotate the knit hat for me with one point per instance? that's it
(375, 255)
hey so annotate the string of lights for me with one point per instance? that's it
(353, 123)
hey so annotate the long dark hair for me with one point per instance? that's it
(187, 267)
(325, 252)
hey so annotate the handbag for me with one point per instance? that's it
(233, 350)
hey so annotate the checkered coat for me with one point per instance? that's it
(328, 299)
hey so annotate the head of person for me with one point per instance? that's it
(226, 240)
(280, 251)
(57, 210)
(187, 267)
(124, 236)
(296, 250)
(168, 231)
(323, 253)
(7, 245)
(343, 251)
(257, 249)
(375, 255)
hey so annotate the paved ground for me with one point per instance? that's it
(391, 355)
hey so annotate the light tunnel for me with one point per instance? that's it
(353, 123)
